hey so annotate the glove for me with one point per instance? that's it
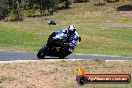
(71, 49)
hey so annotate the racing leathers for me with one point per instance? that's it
(72, 39)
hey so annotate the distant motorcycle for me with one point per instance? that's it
(52, 22)
(56, 46)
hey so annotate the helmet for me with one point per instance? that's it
(72, 28)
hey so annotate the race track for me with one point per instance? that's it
(13, 56)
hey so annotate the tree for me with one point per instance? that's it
(15, 9)
(47, 6)
(18, 7)
(66, 3)
(4, 8)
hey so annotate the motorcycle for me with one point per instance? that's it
(57, 46)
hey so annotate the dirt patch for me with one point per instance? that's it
(61, 74)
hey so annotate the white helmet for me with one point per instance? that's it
(72, 28)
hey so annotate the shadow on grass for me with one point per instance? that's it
(124, 8)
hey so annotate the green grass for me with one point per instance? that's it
(31, 34)
(13, 38)
(106, 41)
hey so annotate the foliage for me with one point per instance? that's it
(17, 9)
(4, 8)
(45, 7)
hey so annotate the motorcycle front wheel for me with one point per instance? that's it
(41, 53)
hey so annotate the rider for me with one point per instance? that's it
(72, 37)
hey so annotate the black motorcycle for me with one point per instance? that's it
(56, 46)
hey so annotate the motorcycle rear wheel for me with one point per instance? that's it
(65, 54)
(61, 57)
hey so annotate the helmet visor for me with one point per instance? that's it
(71, 31)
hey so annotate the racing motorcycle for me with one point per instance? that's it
(57, 46)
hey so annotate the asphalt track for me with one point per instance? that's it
(14, 56)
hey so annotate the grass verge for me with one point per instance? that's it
(31, 34)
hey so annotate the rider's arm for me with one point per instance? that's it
(73, 41)
(79, 38)
(65, 31)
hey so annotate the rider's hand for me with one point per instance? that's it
(71, 39)
(71, 49)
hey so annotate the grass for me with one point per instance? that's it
(32, 34)
(111, 41)
(62, 74)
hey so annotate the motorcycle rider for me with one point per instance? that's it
(72, 37)
(60, 43)
(52, 22)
